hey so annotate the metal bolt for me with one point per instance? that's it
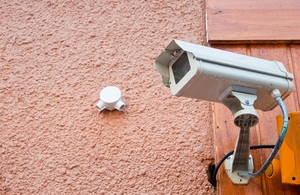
(247, 102)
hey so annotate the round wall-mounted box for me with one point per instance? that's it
(110, 99)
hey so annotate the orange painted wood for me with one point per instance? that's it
(225, 133)
(241, 21)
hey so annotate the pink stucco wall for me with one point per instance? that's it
(55, 57)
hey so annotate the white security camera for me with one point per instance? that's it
(205, 73)
(240, 82)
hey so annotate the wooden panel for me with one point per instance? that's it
(295, 60)
(225, 133)
(241, 21)
(253, 4)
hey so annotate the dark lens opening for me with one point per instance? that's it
(181, 67)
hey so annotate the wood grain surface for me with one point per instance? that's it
(265, 21)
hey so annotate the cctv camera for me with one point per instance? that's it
(240, 82)
(205, 73)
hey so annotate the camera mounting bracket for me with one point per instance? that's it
(245, 116)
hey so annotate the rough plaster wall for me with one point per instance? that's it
(55, 57)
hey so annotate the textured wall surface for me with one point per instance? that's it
(55, 57)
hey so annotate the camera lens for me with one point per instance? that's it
(181, 67)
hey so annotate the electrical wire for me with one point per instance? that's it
(214, 175)
(277, 145)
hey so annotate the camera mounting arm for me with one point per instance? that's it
(240, 103)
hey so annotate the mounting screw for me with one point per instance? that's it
(247, 102)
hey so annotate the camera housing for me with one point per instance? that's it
(210, 74)
(240, 82)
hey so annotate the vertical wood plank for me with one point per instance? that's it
(295, 68)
